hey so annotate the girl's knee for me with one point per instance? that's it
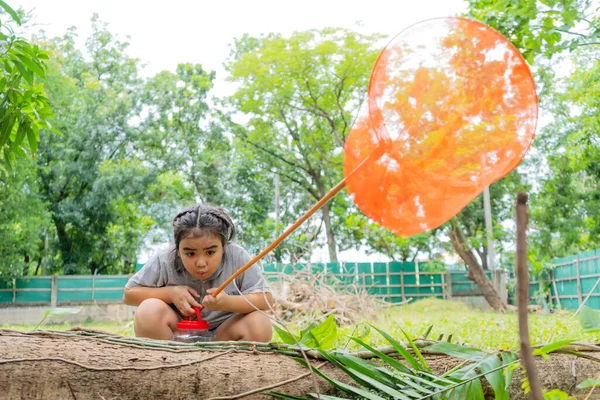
(154, 312)
(254, 327)
(260, 327)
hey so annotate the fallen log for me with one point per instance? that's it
(88, 365)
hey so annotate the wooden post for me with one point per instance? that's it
(387, 280)
(14, 297)
(556, 296)
(54, 292)
(444, 292)
(402, 282)
(449, 284)
(579, 296)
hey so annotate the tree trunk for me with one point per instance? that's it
(71, 365)
(330, 235)
(476, 272)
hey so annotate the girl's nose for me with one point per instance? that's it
(201, 262)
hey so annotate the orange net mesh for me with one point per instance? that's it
(452, 108)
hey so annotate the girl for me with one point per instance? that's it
(168, 287)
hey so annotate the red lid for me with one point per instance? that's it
(189, 324)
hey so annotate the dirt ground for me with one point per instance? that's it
(53, 365)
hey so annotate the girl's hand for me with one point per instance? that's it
(218, 303)
(184, 298)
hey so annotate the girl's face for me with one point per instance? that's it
(201, 256)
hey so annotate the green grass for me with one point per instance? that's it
(125, 329)
(486, 330)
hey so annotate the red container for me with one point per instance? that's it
(193, 331)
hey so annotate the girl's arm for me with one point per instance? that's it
(134, 296)
(183, 297)
(237, 304)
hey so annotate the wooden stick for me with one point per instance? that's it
(556, 296)
(588, 296)
(523, 297)
(336, 189)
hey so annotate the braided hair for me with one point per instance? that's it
(200, 221)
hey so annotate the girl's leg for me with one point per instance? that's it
(254, 327)
(155, 319)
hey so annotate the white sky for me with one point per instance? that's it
(164, 34)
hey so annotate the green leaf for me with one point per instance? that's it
(495, 378)
(589, 319)
(458, 351)
(473, 388)
(32, 65)
(309, 340)
(391, 361)
(401, 350)
(24, 72)
(549, 348)
(508, 357)
(32, 139)
(405, 382)
(326, 333)
(369, 378)
(284, 335)
(18, 151)
(326, 397)
(6, 128)
(21, 132)
(286, 396)
(341, 385)
(54, 312)
(427, 332)
(7, 159)
(557, 394)
(417, 352)
(12, 12)
(589, 383)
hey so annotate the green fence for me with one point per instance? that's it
(393, 281)
(575, 280)
(59, 290)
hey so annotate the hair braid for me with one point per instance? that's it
(200, 220)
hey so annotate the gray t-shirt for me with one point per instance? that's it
(159, 272)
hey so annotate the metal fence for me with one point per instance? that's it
(58, 290)
(392, 281)
(575, 280)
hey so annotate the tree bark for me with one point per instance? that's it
(330, 235)
(476, 272)
(67, 365)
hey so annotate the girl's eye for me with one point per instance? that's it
(210, 252)
(189, 254)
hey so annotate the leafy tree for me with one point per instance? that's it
(91, 176)
(541, 30)
(184, 137)
(299, 96)
(24, 109)
(571, 187)
(181, 132)
(24, 220)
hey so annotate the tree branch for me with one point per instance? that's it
(319, 111)
(277, 156)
